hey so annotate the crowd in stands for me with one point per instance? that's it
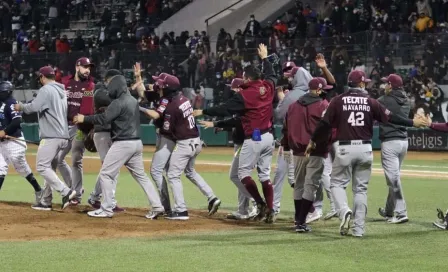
(372, 35)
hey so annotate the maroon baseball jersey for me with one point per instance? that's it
(352, 114)
(79, 96)
(160, 109)
(178, 119)
(257, 96)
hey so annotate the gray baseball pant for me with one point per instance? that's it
(183, 159)
(244, 197)
(392, 156)
(352, 162)
(103, 142)
(256, 154)
(63, 167)
(46, 162)
(308, 174)
(159, 163)
(130, 154)
(282, 170)
(325, 185)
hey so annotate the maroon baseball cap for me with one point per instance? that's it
(288, 65)
(84, 62)
(357, 77)
(236, 83)
(46, 71)
(394, 80)
(291, 73)
(169, 81)
(319, 83)
(161, 76)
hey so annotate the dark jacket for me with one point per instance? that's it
(236, 126)
(123, 112)
(396, 102)
(300, 122)
(101, 101)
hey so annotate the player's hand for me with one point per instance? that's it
(218, 130)
(311, 146)
(17, 107)
(137, 70)
(78, 119)
(420, 121)
(262, 51)
(2, 134)
(320, 61)
(207, 124)
(197, 113)
(280, 151)
(287, 157)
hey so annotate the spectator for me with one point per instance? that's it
(106, 17)
(280, 26)
(253, 26)
(33, 44)
(423, 23)
(423, 7)
(62, 45)
(25, 9)
(16, 22)
(387, 68)
(79, 44)
(192, 63)
(221, 42)
(274, 41)
(339, 62)
(53, 16)
(153, 42)
(358, 65)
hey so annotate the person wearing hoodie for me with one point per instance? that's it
(394, 146)
(126, 150)
(296, 135)
(102, 137)
(51, 106)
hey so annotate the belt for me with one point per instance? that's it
(264, 131)
(350, 142)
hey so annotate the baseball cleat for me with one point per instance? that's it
(41, 207)
(261, 211)
(314, 216)
(398, 219)
(100, 213)
(330, 215)
(237, 216)
(440, 214)
(75, 202)
(254, 211)
(178, 216)
(382, 213)
(345, 223)
(213, 206)
(154, 215)
(118, 209)
(38, 196)
(441, 224)
(167, 213)
(94, 203)
(66, 199)
(357, 235)
(270, 216)
(302, 228)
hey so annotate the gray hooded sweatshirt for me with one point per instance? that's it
(50, 105)
(300, 83)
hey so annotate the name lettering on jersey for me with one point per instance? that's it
(354, 103)
(88, 93)
(74, 94)
(186, 109)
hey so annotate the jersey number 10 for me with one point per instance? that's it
(191, 121)
(356, 119)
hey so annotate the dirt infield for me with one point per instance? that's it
(19, 222)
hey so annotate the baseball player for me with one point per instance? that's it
(79, 89)
(254, 105)
(394, 146)
(51, 106)
(442, 223)
(296, 136)
(179, 126)
(352, 114)
(127, 149)
(13, 151)
(168, 86)
(234, 123)
(102, 137)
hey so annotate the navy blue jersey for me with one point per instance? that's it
(7, 114)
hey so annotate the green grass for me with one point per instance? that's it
(415, 246)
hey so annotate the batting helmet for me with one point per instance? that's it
(6, 89)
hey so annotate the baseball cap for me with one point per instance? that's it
(236, 83)
(394, 80)
(111, 73)
(319, 83)
(357, 77)
(291, 73)
(169, 81)
(84, 62)
(46, 71)
(288, 65)
(161, 76)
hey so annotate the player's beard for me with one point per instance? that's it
(82, 76)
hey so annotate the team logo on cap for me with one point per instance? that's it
(262, 90)
(320, 85)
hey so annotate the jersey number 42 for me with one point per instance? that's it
(356, 119)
